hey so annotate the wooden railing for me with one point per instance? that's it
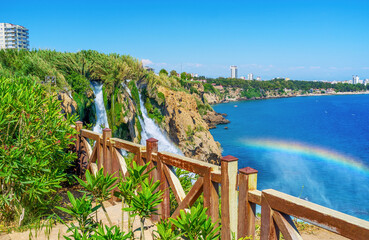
(239, 194)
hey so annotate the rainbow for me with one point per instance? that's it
(307, 150)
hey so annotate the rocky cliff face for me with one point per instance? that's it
(187, 128)
(68, 105)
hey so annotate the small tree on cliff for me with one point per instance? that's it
(163, 71)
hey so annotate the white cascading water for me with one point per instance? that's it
(151, 130)
(101, 117)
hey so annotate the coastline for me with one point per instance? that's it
(290, 96)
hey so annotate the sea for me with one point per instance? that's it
(315, 148)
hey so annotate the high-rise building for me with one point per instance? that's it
(233, 71)
(355, 79)
(13, 36)
(250, 76)
(258, 78)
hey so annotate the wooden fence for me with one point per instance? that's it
(238, 193)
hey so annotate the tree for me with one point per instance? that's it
(173, 73)
(163, 71)
(184, 76)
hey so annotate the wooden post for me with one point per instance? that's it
(164, 209)
(211, 197)
(152, 147)
(246, 210)
(268, 228)
(79, 126)
(229, 212)
(106, 156)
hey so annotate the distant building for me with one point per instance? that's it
(149, 69)
(287, 79)
(366, 81)
(258, 78)
(355, 79)
(13, 36)
(244, 78)
(250, 76)
(233, 71)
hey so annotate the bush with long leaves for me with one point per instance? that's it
(100, 187)
(34, 137)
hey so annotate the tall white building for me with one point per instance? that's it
(250, 76)
(355, 79)
(13, 36)
(233, 71)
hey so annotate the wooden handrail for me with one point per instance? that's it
(277, 207)
(343, 224)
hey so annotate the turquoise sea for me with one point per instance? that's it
(315, 148)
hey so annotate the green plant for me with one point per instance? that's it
(100, 187)
(34, 157)
(145, 201)
(112, 233)
(129, 185)
(165, 231)
(81, 210)
(195, 224)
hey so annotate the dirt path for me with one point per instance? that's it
(57, 232)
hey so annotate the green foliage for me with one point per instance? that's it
(165, 232)
(251, 93)
(173, 73)
(81, 210)
(33, 143)
(161, 97)
(100, 187)
(78, 83)
(203, 108)
(135, 95)
(153, 111)
(195, 224)
(164, 72)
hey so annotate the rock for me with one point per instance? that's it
(68, 105)
(186, 128)
(211, 98)
(213, 118)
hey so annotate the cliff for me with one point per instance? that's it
(187, 128)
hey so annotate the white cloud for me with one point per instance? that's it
(146, 62)
(314, 67)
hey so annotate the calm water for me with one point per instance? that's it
(315, 148)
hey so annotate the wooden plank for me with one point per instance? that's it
(90, 134)
(106, 152)
(94, 169)
(343, 224)
(255, 196)
(286, 226)
(246, 209)
(93, 157)
(122, 162)
(128, 146)
(87, 145)
(268, 229)
(164, 209)
(174, 183)
(229, 197)
(211, 197)
(189, 164)
(191, 197)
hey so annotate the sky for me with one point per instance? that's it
(300, 39)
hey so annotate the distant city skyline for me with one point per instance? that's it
(304, 40)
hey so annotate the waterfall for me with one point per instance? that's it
(101, 117)
(151, 130)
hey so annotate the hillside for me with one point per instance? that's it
(68, 76)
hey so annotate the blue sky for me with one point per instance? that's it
(307, 40)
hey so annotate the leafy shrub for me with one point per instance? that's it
(34, 137)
